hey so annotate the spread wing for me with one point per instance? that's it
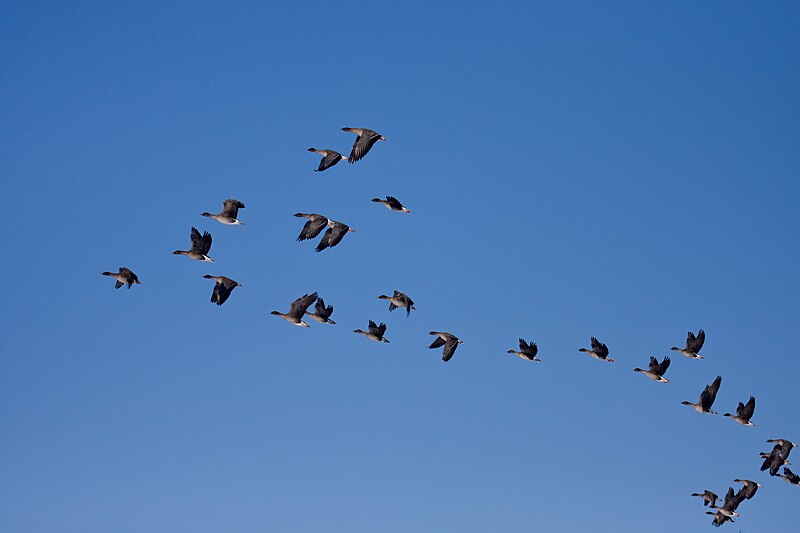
(378, 331)
(230, 207)
(661, 368)
(333, 236)
(222, 291)
(321, 310)
(329, 160)
(299, 306)
(438, 342)
(709, 394)
(200, 244)
(599, 348)
(449, 349)
(362, 145)
(653, 364)
(394, 203)
(746, 410)
(694, 344)
(312, 228)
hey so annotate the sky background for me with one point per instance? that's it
(623, 170)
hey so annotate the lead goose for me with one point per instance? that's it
(744, 412)
(707, 398)
(598, 351)
(364, 141)
(375, 332)
(448, 340)
(297, 310)
(124, 276)
(656, 370)
(693, 345)
(527, 351)
(222, 289)
(200, 247)
(329, 158)
(399, 299)
(393, 204)
(230, 210)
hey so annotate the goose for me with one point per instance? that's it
(333, 235)
(223, 288)
(124, 276)
(393, 204)
(598, 351)
(375, 332)
(297, 310)
(790, 476)
(765, 455)
(316, 223)
(230, 209)
(200, 247)
(748, 490)
(707, 398)
(744, 412)
(527, 351)
(778, 456)
(656, 370)
(732, 501)
(719, 518)
(329, 158)
(366, 138)
(322, 314)
(399, 299)
(448, 340)
(708, 498)
(693, 345)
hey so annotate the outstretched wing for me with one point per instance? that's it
(449, 349)
(394, 203)
(599, 348)
(694, 344)
(230, 207)
(662, 367)
(312, 228)
(746, 410)
(437, 343)
(329, 160)
(299, 306)
(200, 244)
(362, 145)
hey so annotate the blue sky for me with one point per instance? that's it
(620, 170)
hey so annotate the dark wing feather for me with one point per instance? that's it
(694, 344)
(599, 348)
(338, 233)
(653, 363)
(221, 293)
(299, 306)
(321, 310)
(449, 349)
(329, 160)
(230, 207)
(362, 145)
(714, 388)
(312, 228)
(325, 241)
(200, 244)
(394, 203)
(662, 367)
(380, 330)
(118, 284)
(746, 411)
(437, 343)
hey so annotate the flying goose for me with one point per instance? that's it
(316, 223)
(708, 498)
(719, 518)
(778, 456)
(322, 314)
(333, 235)
(399, 299)
(707, 398)
(375, 332)
(526, 351)
(765, 455)
(656, 370)
(448, 340)
(732, 501)
(200, 247)
(125, 275)
(393, 204)
(297, 310)
(790, 476)
(366, 138)
(744, 412)
(230, 209)
(223, 288)
(693, 345)
(748, 490)
(598, 351)
(329, 158)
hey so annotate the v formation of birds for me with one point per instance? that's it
(335, 232)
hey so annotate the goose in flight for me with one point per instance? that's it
(526, 351)
(399, 299)
(448, 340)
(333, 235)
(732, 501)
(790, 476)
(124, 276)
(598, 351)
(765, 455)
(316, 223)
(200, 247)
(744, 412)
(719, 518)
(321, 313)
(375, 332)
(708, 498)
(230, 209)
(778, 456)
(222, 289)
(656, 370)
(364, 141)
(748, 490)
(693, 345)
(329, 158)
(393, 204)
(707, 398)
(297, 310)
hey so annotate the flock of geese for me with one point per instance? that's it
(335, 232)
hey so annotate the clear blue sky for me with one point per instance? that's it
(625, 170)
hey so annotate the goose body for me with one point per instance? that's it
(448, 340)
(790, 477)
(744, 412)
(393, 204)
(321, 313)
(125, 276)
(329, 158)
(200, 247)
(693, 345)
(656, 370)
(526, 351)
(230, 210)
(365, 139)
(374, 332)
(399, 299)
(707, 398)
(599, 351)
(748, 489)
(731, 503)
(222, 288)
(297, 310)
(708, 498)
